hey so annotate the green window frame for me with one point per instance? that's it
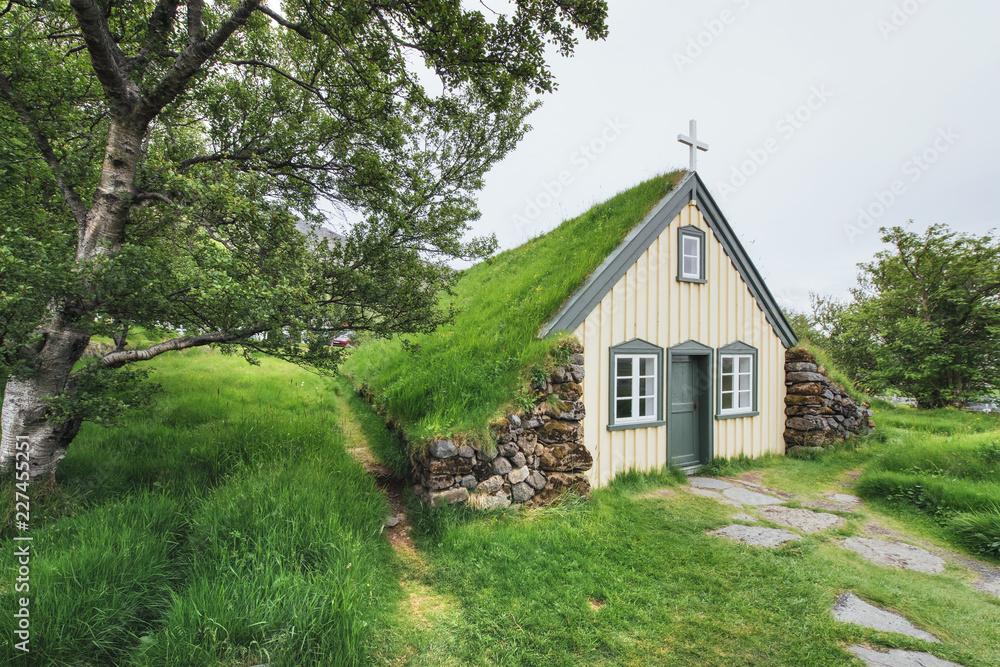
(635, 386)
(738, 381)
(691, 254)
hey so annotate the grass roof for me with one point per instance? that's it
(466, 373)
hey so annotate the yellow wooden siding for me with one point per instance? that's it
(649, 303)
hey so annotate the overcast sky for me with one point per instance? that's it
(813, 111)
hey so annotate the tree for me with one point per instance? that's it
(925, 319)
(158, 155)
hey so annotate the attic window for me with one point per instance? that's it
(691, 255)
(636, 380)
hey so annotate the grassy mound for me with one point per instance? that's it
(458, 378)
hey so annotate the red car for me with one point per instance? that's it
(344, 339)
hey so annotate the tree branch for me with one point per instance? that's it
(142, 197)
(121, 357)
(157, 32)
(280, 72)
(70, 196)
(282, 21)
(105, 57)
(191, 60)
(195, 26)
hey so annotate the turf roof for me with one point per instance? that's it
(466, 373)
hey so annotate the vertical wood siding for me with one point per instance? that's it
(650, 303)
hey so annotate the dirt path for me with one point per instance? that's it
(424, 632)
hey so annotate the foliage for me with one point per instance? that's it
(158, 159)
(104, 395)
(458, 378)
(226, 525)
(925, 319)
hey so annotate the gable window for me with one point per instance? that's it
(691, 255)
(636, 385)
(737, 381)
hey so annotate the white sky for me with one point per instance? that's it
(887, 80)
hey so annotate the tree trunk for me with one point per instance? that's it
(25, 411)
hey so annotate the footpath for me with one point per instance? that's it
(759, 505)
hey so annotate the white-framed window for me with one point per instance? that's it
(691, 254)
(636, 379)
(635, 388)
(737, 384)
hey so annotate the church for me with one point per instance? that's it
(684, 345)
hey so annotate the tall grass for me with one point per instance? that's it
(227, 525)
(461, 375)
(945, 463)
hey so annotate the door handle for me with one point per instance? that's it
(695, 405)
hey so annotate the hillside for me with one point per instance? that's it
(460, 377)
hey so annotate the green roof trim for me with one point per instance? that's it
(690, 188)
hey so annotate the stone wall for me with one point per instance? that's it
(819, 413)
(533, 458)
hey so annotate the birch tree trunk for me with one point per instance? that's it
(25, 410)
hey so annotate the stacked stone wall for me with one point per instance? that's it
(818, 412)
(533, 458)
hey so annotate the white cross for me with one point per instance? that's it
(693, 142)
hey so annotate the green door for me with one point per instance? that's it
(684, 439)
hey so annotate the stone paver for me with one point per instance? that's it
(830, 505)
(756, 536)
(852, 609)
(748, 497)
(895, 554)
(805, 521)
(899, 658)
(709, 483)
(988, 583)
(704, 493)
(714, 495)
(845, 498)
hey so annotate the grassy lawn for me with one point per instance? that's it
(227, 526)
(631, 578)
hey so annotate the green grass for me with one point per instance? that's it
(631, 578)
(385, 445)
(465, 373)
(946, 464)
(226, 526)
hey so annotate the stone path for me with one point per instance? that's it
(805, 521)
(895, 554)
(899, 658)
(756, 536)
(852, 609)
(769, 504)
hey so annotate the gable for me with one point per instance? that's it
(690, 189)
